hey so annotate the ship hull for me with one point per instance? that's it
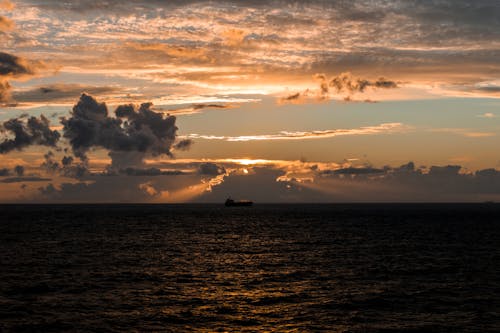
(239, 204)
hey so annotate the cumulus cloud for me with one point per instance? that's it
(130, 136)
(21, 133)
(66, 167)
(149, 189)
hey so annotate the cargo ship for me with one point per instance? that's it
(238, 203)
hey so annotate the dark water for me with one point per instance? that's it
(301, 268)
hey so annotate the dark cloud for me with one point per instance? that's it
(66, 168)
(49, 164)
(213, 106)
(67, 160)
(445, 171)
(12, 66)
(195, 108)
(139, 131)
(117, 188)
(23, 133)
(346, 82)
(405, 183)
(4, 172)
(209, 168)
(354, 171)
(25, 179)
(149, 172)
(19, 170)
(184, 144)
(260, 186)
(343, 83)
(292, 97)
(59, 92)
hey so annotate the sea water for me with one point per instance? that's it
(284, 268)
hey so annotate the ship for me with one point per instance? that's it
(238, 203)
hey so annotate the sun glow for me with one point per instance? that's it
(248, 161)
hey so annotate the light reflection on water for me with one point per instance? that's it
(267, 268)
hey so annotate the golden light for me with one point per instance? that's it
(247, 161)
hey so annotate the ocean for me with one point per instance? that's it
(282, 268)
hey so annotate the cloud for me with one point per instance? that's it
(149, 189)
(306, 96)
(280, 181)
(59, 93)
(137, 132)
(12, 66)
(123, 188)
(359, 184)
(292, 97)
(184, 144)
(386, 128)
(354, 171)
(5, 24)
(5, 93)
(32, 131)
(487, 115)
(346, 82)
(209, 168)
(172, 43)
(196, 108)
(178, 52)
(467, 132)
(65, 168)
(19, 170)
(6, 4)
(149, 172)
(25, 179)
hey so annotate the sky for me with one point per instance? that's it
(273, 101)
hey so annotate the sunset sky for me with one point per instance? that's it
(274, 101)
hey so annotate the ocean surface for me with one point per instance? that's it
(283, 268)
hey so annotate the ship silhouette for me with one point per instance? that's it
(237, 203)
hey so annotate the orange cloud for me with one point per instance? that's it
(385, 128)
